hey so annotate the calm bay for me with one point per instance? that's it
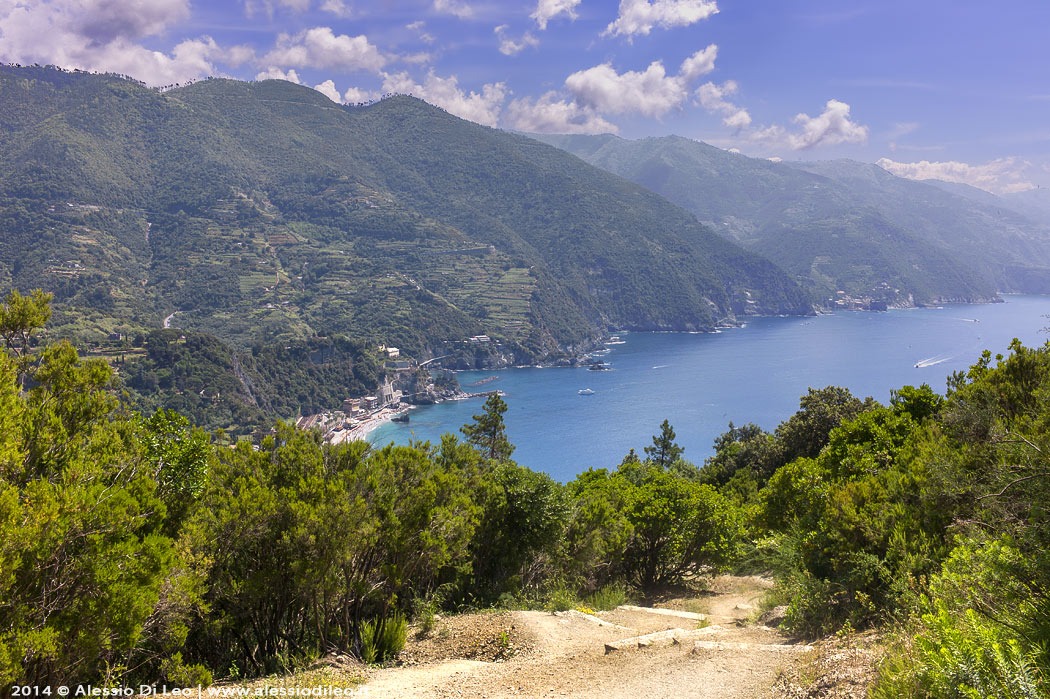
(701, 382)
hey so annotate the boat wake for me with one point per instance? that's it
(933, 361)
(661, 366)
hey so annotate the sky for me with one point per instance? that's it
(949, 89)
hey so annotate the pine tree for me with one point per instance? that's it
(488, 432)
(664, 450)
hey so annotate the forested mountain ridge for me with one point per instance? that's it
(839, 225)
(288, 236)
(263, 212)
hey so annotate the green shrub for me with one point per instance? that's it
(426, 616)
(179, 674)
(816, 607)
(648, 526)
(520, 534)
(961, 656)
(606, 598)
(560, 599)
(381, 640)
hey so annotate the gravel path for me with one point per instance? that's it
(565, 655)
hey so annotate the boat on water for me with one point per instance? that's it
(585, 392)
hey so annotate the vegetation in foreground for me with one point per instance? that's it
(133, 550)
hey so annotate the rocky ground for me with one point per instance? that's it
(709, 646)
(679, 643)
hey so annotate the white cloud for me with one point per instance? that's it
(355, 95)
(510, 47)
(712, 97)
(274, 73)
(548, 114)
(902, 128)
(831, 127)
(546, 10)
(483, 107)
(699, 64)
(268, 6)
(459, 8)
(320, 47)
(416, 58)
(771, 134)
(999, 176)
(104, 21)
(327, 88)
(236, 56)
(640, 16)
(102, 35)
(420, 28)
(352, 96)
(339, 8)
(651, 92)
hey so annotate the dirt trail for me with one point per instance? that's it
(565, 654)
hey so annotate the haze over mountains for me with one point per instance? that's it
(841, 225)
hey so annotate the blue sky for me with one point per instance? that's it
(927, 88)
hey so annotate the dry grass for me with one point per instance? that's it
(843, 667)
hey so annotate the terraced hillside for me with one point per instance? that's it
(265, 211)
(264, 214)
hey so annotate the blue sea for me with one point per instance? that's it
(701, 382)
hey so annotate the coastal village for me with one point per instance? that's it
(357, 417)
(400, 391)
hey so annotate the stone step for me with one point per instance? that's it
(664, 612)
(660, 638)
(700, 646)
(591, 618)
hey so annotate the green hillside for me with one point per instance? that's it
(838, 225)
(264, 214)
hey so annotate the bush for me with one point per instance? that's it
(560, 599)
(517, 547)
(816, 607)
(85, 550)
(648, 526)
(306, 539)
(179, 674)
(961, 657)
(382, 639)
(607, 598)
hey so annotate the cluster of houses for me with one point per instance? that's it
(357, 415)
(844, 301)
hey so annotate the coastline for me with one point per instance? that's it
(362, 431)
(561, 433)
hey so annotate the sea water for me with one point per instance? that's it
(701, 382)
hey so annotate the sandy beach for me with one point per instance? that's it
(366, 427)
